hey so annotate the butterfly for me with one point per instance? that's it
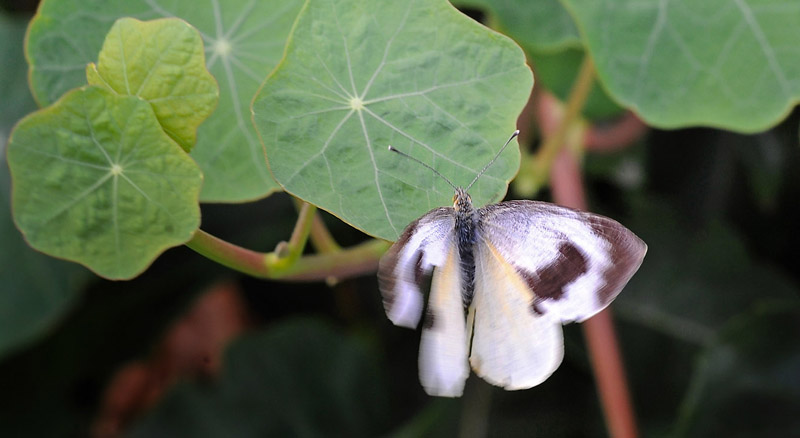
(503, 278)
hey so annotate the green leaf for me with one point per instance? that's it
(300, 378)
(538, 26)
(418, 75)
(746, 383)
(36, 290)
(696, 280)
(96, 180)
(721, 63)
(162, 62)
(244, 40)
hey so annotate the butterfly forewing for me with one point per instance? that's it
(573, 263)
(405, 268)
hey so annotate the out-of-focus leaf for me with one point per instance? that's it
(299, 378)
(693, 280)
(721, 63)
(35, 290)
(537, 26)
(557, 72)
(747, 381)
(418, 75)
(162, 62)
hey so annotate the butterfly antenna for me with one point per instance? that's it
(516, 133)
(391, 148)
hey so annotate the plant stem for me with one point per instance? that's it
(320, 236)
(567, 188)
(535, 168)
(349, 262)
(286, 254)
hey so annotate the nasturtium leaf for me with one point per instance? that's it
(95, 180)
(360, 75)
(722, 63)
(537, 26)
(244, 40)
(163, 62)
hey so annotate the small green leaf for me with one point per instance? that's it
(418, 75)
(161, 61)
(722, 63)
(244, 41)
(96, 180)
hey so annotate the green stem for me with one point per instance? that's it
(541, 163)
(350, 262)
(286, 254)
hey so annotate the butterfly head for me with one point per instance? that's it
(461, 200)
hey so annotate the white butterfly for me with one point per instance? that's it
(503, 279)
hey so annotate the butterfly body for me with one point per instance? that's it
(503, 278)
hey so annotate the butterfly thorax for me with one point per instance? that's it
(465, 236)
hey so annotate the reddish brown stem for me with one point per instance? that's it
(609, 372)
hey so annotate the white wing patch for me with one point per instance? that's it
(512, 346)
(404, 269)
(443, 366)
(573, 262)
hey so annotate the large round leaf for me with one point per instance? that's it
(244, 41)
(727, 63)
(162, 62)
(96, 180)
(418, 75)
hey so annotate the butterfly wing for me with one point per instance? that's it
(404, 270)
(574, 263)
(512, 346)
(443, 366)
(427, 245)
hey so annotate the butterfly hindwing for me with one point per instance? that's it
(573, 263)
(443, 366)
(512, 345)
(404, 270)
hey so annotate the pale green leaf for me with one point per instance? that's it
(733, 64)
(96, 180)
(161, 61)
(418, 75)
(243, 39)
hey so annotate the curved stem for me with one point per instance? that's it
(535, 168)
(567, 189)
(350, 262)
(320, 236)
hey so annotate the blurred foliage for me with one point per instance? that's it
(708, 327)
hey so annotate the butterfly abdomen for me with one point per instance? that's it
(465, 238)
